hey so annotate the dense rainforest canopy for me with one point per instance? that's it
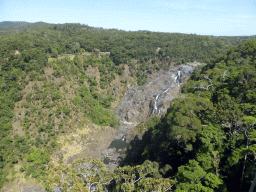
(205, 141)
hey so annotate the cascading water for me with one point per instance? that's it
(166, 90)
(156, 109)
(177, 80)
(155, 105)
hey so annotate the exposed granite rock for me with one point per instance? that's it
(154, 97)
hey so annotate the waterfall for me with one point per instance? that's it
(157, 97)
(156, 110)
(155, 106)
(177, 78)
(177, 81)
(166, 90)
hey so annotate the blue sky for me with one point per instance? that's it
(204, 17)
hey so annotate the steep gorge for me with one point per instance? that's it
(139, 103)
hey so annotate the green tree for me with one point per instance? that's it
(192, 177)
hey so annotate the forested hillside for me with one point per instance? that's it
(10, 25)
(43, 100)
(208, 137)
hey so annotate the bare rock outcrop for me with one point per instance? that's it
(152, 98)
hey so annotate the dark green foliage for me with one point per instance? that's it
(92, 107)
(106, 102)
(174, 139)
(106, 68)
(66, 110)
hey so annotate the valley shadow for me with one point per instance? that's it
(156, 146)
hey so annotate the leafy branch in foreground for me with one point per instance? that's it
(91, 174)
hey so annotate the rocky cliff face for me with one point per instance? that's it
(152, 98)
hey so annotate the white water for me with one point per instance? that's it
(155, 107)
(177, 82)
(166, 90)
(177, 79)
(156, 110)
